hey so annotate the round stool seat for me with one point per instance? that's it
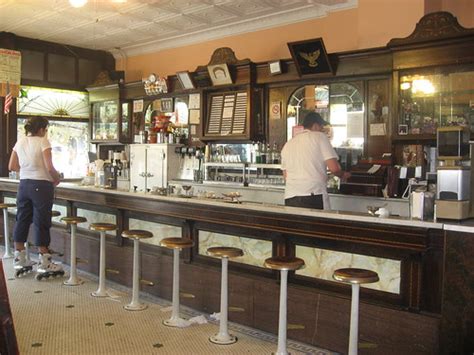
(225, 252)
(55, 213)
(176, 243)
(73, 220)
(284, 263)
(6, 205)
(103, 226)
(137, 234)
(356, 276)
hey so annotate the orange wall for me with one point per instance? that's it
(462, 9)
(372, 24)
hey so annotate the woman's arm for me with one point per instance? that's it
(48, 162)
(14, 164)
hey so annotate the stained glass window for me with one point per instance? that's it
(53, 102)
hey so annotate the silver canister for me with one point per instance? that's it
(160, 137)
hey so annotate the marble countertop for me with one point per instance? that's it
(255, 206)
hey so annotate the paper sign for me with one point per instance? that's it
(403, 172)
(193, 130)
(377, 129)
(418, 172)
(275, 110)
(194, 116)
(194, 101)
(137, 106)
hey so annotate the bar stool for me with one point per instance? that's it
(136, 235)
(176, 244)
(6, 229)
(102, 228)
(73, 222)
(284, 264)
(223, 337)
(355, 277)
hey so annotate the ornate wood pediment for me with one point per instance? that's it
(224, 55)
(432, 27)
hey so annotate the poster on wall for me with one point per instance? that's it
(10, 71)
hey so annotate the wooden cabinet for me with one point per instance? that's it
(110, 116)
(429, 100)
(234, 115)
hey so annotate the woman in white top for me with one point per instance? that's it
(31, 157)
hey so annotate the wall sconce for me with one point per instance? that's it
(275, 67)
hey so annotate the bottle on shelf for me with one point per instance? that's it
(276, 156)
(263, 153)
(258, 155)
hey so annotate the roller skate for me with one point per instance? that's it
(22, 264)
(47, 268)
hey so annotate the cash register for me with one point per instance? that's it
(368, 178)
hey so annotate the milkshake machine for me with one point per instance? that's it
(454, 194)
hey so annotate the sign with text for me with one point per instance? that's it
(10, 71)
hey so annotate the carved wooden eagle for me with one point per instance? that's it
(312, 57)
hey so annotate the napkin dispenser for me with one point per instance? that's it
(422, 205)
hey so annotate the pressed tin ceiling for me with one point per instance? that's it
(140, 26)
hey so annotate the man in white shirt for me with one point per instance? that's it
(305, 160)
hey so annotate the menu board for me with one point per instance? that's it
(227, 114)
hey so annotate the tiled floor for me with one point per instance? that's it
(51, 318)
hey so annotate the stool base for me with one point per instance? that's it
(174, 322)
(73, 283)
(135, 307)
(7, 255)
(223, 339)
(100, 294)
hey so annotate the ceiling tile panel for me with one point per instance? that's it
(246, 7)
(141, 26)
(214, 14)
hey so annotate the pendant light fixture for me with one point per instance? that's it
(77, 3)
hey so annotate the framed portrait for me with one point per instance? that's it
(219, 74)
(402, 129)
(275, 67)
(310, 57)
(185, 80)
(167, 105)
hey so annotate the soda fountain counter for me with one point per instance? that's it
(419, 264)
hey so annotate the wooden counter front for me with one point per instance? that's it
(407, 321)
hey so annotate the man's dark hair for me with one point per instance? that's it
(311, 118)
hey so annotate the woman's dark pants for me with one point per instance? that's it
(34, 204)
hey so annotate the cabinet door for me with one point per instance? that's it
(138, 167)
(156, 167)
(105, 120)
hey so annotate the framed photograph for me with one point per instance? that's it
(185, 80)
(219, 74)
(310, 57)
(402, 129)
(167, 105)
(275, 67)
